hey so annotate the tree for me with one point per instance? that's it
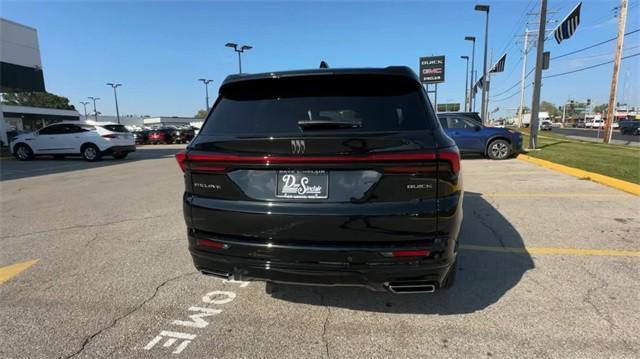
(37, 99)
(601, 108)
(546, 106)
(201, 114)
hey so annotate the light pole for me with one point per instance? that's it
(206, 90)
(95, 112)
(240, 50)
(115, 95)
(466, 83)
(473, 57)
(485, 80)
(84, 104)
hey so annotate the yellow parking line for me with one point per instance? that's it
(13, 270)
(553, 251)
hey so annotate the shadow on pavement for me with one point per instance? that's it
(483, 277)
(11, 169)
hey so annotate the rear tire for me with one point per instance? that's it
(22, 152)
(91, 152)
(120, 156)
(499, 150)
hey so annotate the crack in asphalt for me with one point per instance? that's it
(84, 226)
(489, 227)
(587, 298)
(324, 325)
(89, 338)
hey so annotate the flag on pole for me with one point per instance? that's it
(478, 84)
(569, 25)
(499, 66)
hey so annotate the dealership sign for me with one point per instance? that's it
(432, 69)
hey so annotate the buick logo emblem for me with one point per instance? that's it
(298, 147)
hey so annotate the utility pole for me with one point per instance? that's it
(206, 90)
(84, 104)
(525, 53)
(485, 82)
(115, 95)
(95, 111)
(535, 101)
(472, 79)
(611, 109)
(466, 84)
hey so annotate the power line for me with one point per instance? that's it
(567, 54)
(594, 45)
(588, 67)
(510, 96)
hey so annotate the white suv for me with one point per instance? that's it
(91, 141)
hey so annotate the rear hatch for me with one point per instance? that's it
(340, 159)
(117, 135)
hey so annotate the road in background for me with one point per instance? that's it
(103, 271)
(589, 134)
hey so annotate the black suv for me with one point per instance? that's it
(630, 127)
(326, 177)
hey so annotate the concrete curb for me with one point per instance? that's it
(602, 179)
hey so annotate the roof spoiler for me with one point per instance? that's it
(324, 65)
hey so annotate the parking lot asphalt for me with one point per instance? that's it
(549, 267)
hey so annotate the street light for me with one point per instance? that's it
(84, 104)
(471, 81)
(206, 90)
(240, 50)
(485, 82)
(466, 82)
(95, 112)
(115, 95)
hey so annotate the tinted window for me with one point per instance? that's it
(115, 128)
(51, 130)
(460, 123)
(274, 106)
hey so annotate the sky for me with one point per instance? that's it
(159, 50)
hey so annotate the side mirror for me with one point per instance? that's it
(478, 128)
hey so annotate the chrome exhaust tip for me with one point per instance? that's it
(411, 287)
(214, 273)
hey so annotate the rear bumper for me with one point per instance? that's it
(119, 149)
(327, 265)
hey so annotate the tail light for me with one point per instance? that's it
(181, 157)
(453, 157)
(207, 243)
(408, 253)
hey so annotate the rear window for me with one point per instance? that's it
(274, 106)
(115, 128)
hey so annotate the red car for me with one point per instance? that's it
(162, 135)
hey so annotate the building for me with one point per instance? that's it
(21, 71)
(169, 121)
(20, 63)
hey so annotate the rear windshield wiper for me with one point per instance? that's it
(321, 124)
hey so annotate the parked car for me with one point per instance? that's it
(184, 134)
(75, 138)
(141, 136)
(165, 135)
(630, 127)
(329, 177)
(546, 125)
(598, 123)
(472, 136)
